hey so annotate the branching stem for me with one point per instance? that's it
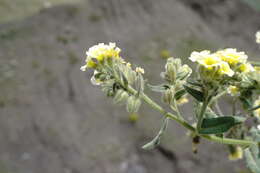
(185, 124)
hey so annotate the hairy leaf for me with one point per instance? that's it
(158, 88)
(156, 141)
(179, 94)
(219, 125)
(198, 95)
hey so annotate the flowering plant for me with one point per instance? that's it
(219, 73)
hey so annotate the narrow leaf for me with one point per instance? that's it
(255, 108)
(179, 94)
(198, 95)
(194, 83)
(158, 88)
(219, 125)
(156, 141)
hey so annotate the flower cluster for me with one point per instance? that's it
(217, 65)
(98, 53)
(115, 75)
(175, 75)
(218, 73)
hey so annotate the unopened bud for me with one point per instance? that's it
(168, 96)
(235, 152)
(184, 72)
(133, 104)
(121, 96)
(171, 70)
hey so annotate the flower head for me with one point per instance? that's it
(233, 90)
(98, 53)
(211, 63)
(231, 56)
(246, 67)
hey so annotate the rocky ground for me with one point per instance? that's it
(53, 120)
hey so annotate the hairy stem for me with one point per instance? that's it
(185, 124)
(202, 112)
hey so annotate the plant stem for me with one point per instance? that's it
(177, 109)
(217, 97)
(202, 112)
(182, 122)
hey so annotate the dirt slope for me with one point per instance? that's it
(53, 120)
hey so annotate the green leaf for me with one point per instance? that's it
(194, 83)
(156, 141)
(219, 125)
(198, 95)
(124, 79)
(247, 104)
(255, 108)
(158, 88)
(179, 94)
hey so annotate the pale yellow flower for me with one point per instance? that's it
(246, 67)
(257, 111)
(139, 70)
(182, 100)
(196, 56)
(225, 69)
(231, 56)
(233, 90)
(237, 154)
(211, 62)
(257, 37)
(100, 52)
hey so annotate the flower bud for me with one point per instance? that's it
(233, 90)
(236, 152)
(168, 96)
(133, 104)
(184, 72)
(121, 96)
(171, 70)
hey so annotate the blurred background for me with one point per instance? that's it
(52, 120)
